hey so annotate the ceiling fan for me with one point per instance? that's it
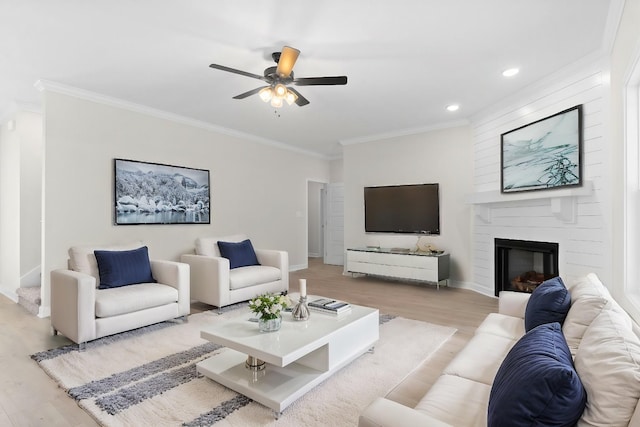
(278, 77)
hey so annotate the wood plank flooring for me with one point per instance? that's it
(28, 397)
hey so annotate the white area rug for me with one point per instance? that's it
(147, 377)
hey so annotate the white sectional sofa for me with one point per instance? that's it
(603, 343)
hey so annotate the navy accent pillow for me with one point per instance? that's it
(549, 302)
(121, 268)
(537, 384)
(239, 254)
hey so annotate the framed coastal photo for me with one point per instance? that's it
(545, 154)
(153, 193)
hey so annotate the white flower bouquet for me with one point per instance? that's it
(269, 306)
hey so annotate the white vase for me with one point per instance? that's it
(270, 325)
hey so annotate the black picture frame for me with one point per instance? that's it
(156, 193)
(543, 155)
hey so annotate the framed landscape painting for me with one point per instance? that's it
(152, 193)
(543, 155)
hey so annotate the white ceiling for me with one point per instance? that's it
(406, 60)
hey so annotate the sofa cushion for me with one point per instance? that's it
(588, 285)
(536, 383)
(83, 260)
(456, 401)
(502, 325)
(582, 312)
(128, 299)
(480, 359)
(548, 303)
(122, 268)
(239, 254)
(608, 362)
(588, 298)
(208, 246)
(244, 277)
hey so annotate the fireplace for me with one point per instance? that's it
(521, 265)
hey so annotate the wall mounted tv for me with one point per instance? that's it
(413, 209)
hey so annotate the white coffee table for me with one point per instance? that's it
(298, 357)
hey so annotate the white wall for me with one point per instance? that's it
(314, 216)
(442, 156)
(29, 127)
(337, 170)
(584, 245)
(20, 198)
(10, 212)
(256, 189)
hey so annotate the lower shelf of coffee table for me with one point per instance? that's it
(275, 387)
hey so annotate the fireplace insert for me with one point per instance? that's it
(521, 265)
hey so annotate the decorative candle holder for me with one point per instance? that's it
(301, 311)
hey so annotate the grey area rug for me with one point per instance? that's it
(147, 377)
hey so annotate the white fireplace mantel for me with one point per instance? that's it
(562, 201)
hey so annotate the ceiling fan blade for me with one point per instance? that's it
(233, 70)
(249, 93)
(320, 81)
(287, 59)
(301, 101)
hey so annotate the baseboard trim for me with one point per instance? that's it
(472, 287)
(11, 295)
(298, 267)
(44, 312)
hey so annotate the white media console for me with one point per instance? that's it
(399, 264)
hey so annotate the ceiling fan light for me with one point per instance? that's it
(291, 97)
(276, 102)
(288, 58)
(266, 94)
(280, 90)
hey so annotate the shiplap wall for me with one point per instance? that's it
(584, 245)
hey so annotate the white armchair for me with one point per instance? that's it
(214, 282)
(82, 312)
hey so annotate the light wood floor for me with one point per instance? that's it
(28, 397)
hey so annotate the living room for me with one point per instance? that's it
(94, 129)
(259, 187)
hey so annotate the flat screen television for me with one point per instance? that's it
(413, 209)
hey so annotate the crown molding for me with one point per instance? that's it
(49, 86)
(611, 27)
(405, 132)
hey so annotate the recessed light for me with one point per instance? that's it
(453, 107)
(510, 72)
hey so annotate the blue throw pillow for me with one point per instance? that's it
(239, 254)
(549, 302)
(121, 268)
(537, 384)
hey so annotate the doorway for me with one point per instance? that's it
(325, 222)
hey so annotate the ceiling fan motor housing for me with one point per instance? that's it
(273, 77)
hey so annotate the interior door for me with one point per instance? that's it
(334, 224)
